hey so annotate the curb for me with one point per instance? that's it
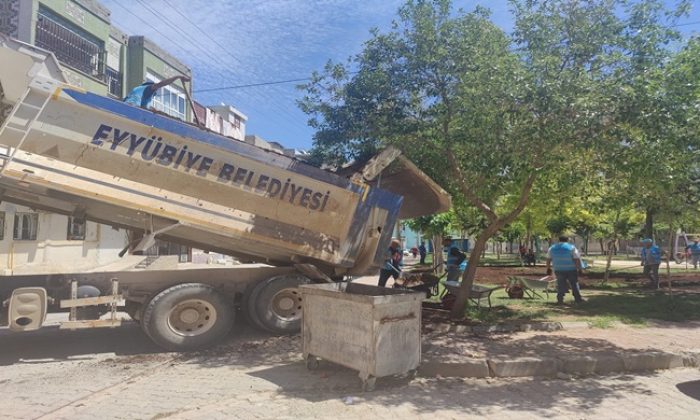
(560, 366)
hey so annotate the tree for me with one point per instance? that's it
(513, 232)
(436, 226)
(649, 150)
(484, 115)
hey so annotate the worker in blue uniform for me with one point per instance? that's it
(143, 94)
(694, 252)
(393, 260)
(566, 260)
(455, 261)
(651, 259)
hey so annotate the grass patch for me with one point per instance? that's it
(602, 309)
(636, 269)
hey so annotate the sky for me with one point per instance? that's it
(242, 42)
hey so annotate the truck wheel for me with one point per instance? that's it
(278, 304)
(187, 316)
(248, 305)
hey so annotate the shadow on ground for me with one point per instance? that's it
(691, 389)
(50, 344)
(472, 396)
(636, 307)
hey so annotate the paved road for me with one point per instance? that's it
(119, 374)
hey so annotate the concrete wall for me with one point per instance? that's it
(52, 252)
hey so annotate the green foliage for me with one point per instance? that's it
(580, 120)
(434, 224)
(558, 226)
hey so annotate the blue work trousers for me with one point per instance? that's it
(566, 279)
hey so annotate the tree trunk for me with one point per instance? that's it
(462, 300)
(609, 261)
(585, 244)
(437, 254)
(669, 255)
(649, 223)
(528, 231)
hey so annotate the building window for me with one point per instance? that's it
(169, 99)
(76, 229)
(114, 82)
(26, 226)
(2, 225)
(73, 46)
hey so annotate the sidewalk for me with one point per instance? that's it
(571, 351)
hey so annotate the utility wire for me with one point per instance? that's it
(273, 101)
(686, 24)
(279, 82)
(276, 82)
(283, 112)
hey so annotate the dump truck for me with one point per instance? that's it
(72, 152)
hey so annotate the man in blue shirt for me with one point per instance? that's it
(143, 94)
(566, 260)
(694, 251)
(651, 259)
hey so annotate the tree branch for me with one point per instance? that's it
(471, 196)
(522, 201)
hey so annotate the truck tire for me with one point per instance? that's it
(187, 317)
(248, 306)
(277, 304)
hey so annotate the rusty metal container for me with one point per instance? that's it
(374, 330)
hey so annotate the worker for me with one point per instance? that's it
(566, 260)
(393, 258)
(651, 259)
(694, 252)
(143, 94)
(456, 261)
(423, 252)
(456, 264)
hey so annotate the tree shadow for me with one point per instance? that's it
(638, 307)
(476, 397)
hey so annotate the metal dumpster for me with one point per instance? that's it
(374, 330)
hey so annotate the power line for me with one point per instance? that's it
(686, 24)
(273, 101)
(284, 113)
(278, 82)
